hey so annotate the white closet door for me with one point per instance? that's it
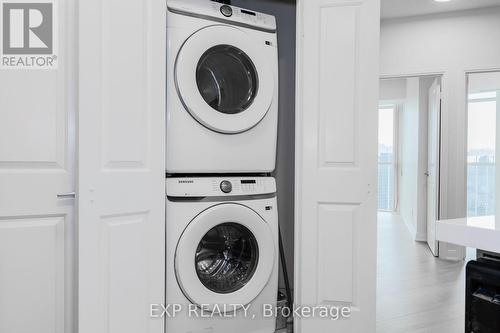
(121, 164)
(37, 229)
(336, 162)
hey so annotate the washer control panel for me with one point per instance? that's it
(216, 10)
(219, 186)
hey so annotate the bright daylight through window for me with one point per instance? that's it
(386, 158)
(483, 104)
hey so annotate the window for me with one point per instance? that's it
(386, 158)
(483, 97)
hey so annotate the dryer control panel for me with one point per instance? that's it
(219, 186)
(214, 10)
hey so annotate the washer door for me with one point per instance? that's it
(225, 256)
(224, 79)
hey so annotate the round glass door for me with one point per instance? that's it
(226, 258)
(220, 258)
(227, 79)
(224, 78)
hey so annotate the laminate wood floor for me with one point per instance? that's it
(416, 292)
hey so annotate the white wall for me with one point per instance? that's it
(392, 90)
(408, 158)
(451, 44)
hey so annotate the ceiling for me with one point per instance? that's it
(405, 8)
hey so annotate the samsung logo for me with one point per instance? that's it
(186, 181)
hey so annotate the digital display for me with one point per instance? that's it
(248, 12)
(248, 181)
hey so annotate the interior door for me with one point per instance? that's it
(434, 126)
(37, 178)
(336, 162)
(121, 164)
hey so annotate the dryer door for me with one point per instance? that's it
(225, 256)
(224, 79)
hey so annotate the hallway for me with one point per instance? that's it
(416, 292)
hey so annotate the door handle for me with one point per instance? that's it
(69, 195)
(427, 174)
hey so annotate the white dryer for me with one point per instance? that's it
(222, 254)
(222, 89)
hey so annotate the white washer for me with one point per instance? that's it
(222, 254)
(222, 89)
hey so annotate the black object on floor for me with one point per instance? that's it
(482, 298)
(285, 272)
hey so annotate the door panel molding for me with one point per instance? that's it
(339, 27)
(336, 161)
(32, 262)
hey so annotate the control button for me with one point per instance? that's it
(226, 186)
(226, 10)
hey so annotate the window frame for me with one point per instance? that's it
(467, 164)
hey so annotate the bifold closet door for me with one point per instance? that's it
(336, 162)
(121, 215)
(37, 181)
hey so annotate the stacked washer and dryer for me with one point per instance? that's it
(222, 218)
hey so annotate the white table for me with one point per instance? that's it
(477, 232)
